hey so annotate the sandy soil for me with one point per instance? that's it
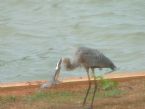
(132, 86)
(133, 99)
(24, 88)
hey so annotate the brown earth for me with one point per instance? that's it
(133, 98)
(75, 83)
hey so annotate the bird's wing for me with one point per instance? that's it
(91, 58)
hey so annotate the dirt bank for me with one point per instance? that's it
(24, 88)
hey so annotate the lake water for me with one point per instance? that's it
(34, 34)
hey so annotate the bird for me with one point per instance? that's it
(89, 58)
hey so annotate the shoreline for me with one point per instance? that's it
(117, 76)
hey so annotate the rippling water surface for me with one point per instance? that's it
(34, 34)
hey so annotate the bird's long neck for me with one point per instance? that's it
(70, 65)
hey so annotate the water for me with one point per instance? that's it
(34, 34)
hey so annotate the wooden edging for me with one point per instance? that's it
(117, 76)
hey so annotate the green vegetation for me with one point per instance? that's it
(49, 99)
(110, 95)
(55, 96)
(106, 84)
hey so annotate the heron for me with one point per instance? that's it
(89, 59)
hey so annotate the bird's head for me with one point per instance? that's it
(66, 61)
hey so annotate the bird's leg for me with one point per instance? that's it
(87, 70)
(95, 88)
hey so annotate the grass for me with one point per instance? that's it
(110, 95)
(50, 99)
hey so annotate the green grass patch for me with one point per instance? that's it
(59, 96)
(5, 99)
(106, 84)
(51, 98)
(55, 96)
(112, 93)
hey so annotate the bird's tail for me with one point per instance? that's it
(113, 67)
